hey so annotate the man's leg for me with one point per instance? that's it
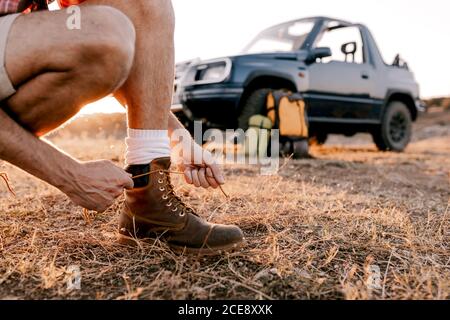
(148, 90)
(56, 71)
(151, 80)
(152, 208)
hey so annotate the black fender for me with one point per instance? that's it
(403, 96)
(266, 79)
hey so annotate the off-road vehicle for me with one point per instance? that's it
(336, 66)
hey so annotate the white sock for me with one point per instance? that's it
(143, 146)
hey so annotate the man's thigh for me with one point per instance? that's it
(41, 42)
(57, 70)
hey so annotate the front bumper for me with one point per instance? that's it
(216, 103)
(208, 94)
(192, 95)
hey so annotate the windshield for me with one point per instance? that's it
(283, 38)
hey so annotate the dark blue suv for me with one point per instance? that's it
(334, 64)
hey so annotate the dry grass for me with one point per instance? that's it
(313, 232)
(442, 102)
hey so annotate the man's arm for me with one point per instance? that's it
(92, 185)
(175, 124)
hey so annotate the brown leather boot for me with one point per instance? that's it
(153, 210)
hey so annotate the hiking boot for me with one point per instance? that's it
(153, 210)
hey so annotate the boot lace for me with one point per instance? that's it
(172, 199)
(5, 178)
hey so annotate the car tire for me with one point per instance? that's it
(395, 131)
(254, 104)
(297, 149)
(300, 149)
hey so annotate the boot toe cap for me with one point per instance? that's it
(223, 235)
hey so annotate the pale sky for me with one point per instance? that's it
(418, 30)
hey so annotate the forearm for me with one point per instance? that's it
(176, 125)
(33, 155)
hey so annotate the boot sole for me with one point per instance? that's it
(132, 242)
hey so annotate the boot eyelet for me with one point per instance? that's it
(182, 214)
(162, 189)
(169, 204)
(160, 181)
(175, 209)
(165, 197)
(161, 173)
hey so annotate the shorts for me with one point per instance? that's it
(6, 87)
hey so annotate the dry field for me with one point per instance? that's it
(353, 223)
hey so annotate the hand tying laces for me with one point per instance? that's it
(166, 186)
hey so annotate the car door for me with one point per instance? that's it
(340, 86)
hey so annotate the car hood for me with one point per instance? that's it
(297, 55)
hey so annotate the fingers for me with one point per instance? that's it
(202, 178)
(188, 176)
(215, 169)
(216, 173)
(125, 179)
(195, 178)
(206, 174)
(128, 182)
(107, 202)
(211, 180)
(118, 193)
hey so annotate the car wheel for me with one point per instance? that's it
(395, 131)
(298, 149)
(255, 104)
(301, 149)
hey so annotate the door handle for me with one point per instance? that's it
(365, 76)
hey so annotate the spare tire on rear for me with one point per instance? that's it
(256, 104)
(253, 105)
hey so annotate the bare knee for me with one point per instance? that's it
(106, 50)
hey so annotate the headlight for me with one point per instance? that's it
(212, 71)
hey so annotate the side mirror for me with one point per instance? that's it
(318, 53)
